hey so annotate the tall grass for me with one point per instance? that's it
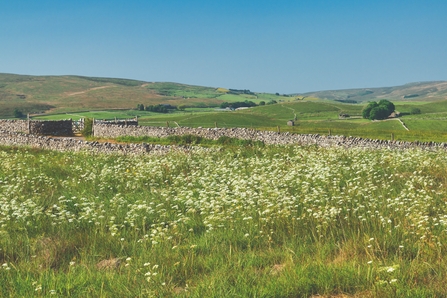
(224, 222)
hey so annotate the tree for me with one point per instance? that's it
(262, 103)
(388, 105)
(88, 127)
(18, 113)
(224, 105)
(378, 111)
(366, 111)
(140, 107)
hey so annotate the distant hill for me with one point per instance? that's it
(38, 94)
(43, 94)
(422, 91)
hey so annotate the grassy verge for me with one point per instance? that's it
(190, 140)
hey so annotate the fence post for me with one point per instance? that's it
(392, 136)
(167, 123)
(215, 124)
(329, 132)
(279, 129)
(29, 124)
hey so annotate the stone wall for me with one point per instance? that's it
(71, 144)
(11, 134)
(268, 137)
(14, 125)
(52, 128)
(36, 127)
(127, 122)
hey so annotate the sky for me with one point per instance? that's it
(282, 46)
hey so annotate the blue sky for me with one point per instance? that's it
(266, 46)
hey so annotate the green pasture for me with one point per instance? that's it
(223, 119)
(107, 115)
(425, 107)
(320, 117)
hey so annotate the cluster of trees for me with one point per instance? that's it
(238, 104)
(378, 111)
(247, 103)
(160, 108)
(238, 91)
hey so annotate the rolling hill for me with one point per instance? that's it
(39, 94)
(422, 91)
(44, 94)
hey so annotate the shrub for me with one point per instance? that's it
(415, 111)
(88, 127)
(18, 113)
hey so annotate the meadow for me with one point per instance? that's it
(312, 117)
(224, 221)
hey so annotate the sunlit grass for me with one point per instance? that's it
(224, 221)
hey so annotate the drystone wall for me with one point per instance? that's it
(12, 134)
(36, 127)
(268, 137)
(128, 122)
(14, 125)
(52, 128)
(8, 138)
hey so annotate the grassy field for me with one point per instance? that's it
(312, 116)
(224, 222)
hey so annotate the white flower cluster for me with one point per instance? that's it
(277, 192)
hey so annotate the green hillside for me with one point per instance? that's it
(43, 94)
(422, 91)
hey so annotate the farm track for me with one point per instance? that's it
(91, 89)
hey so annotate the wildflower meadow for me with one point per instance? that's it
(240, 221)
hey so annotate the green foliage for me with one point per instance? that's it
(18, 113)
(227, 141)
(367, 111)
(415, 111)
(192, 140)
(157, 108)
(237, 104)
(140, 107)
(378, 111)
(88, 127)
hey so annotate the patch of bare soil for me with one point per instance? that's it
(109, 264)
